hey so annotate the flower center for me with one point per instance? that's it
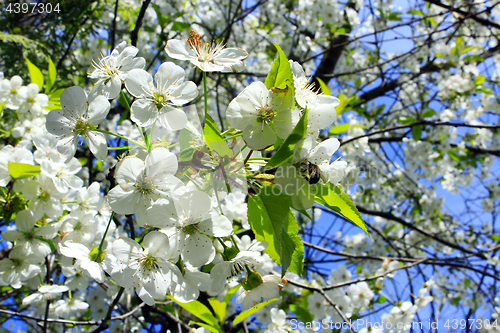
(266, 114)
(81, 127)
(206, 52)
(189, 229)
(31, 100)
(78, 226)
(147, 261)
(160, 100)
(44, 196)
(17, 263)
(144, 184)
(13, 91)
(29, 235)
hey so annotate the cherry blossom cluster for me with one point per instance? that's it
(185, 228)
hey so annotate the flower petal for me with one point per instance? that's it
(138, 82)
(144, 112)
(74, 101)
(178, 49)
(172, 118)
(98, 110)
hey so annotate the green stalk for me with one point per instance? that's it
(234, 136)
(105, 233)
(119, 136)
(205, 90)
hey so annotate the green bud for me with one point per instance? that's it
(252, 281)
(95, 255)
(231, 252)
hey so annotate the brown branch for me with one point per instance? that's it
(422, 122)
(104, 324)
(466, 15)
(135, 33)
(392, 217)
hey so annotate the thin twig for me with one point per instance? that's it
(135, 33)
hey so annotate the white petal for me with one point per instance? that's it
(198, 250)
(162, 214)
(195, 204)
(58, 124)
(321, 116)
(98, 110)
(324, 151)
(93, 270)
(25, 220)
(178, 49)
(128, 171)
(219, 274)
(259, 137)
(217, 226)
(123, 247)
(157, 244)
(160, 162)
(121, 201)
(74, 100)
(168, 73)
(172, 118)
(74, 250)
(97, 144)
(143, 112)
(139, 82)
(184, 94)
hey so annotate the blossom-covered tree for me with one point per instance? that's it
(242, 166)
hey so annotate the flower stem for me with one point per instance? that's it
(248, 157)
(205, 91)
(119, 136)
(105, 233)
(227, 132)
(234, 136)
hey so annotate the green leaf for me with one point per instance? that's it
(55, 98)
(394, 16)
(21, 170)
(484, 90)
(219, 308)
(35, 74)
(473, 58)
(162, 19)
(406, 120)
(51, 78)
(416, 132)
(231, 293)
(214, 139)
(207, 326)
(381, 299)
(272, 221)
(180, 26)
(187, 152)
(200, 311)
(479, 80)
(286, 150)
(344, 103)
(428, 113)
(335, 199)
(83, 160)
(335, 130)
(453, 155)
(469, 48)
(281, 75)
(496, 238)
(416, 12)
(324, 87)
(245, 314)
(302, 314)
